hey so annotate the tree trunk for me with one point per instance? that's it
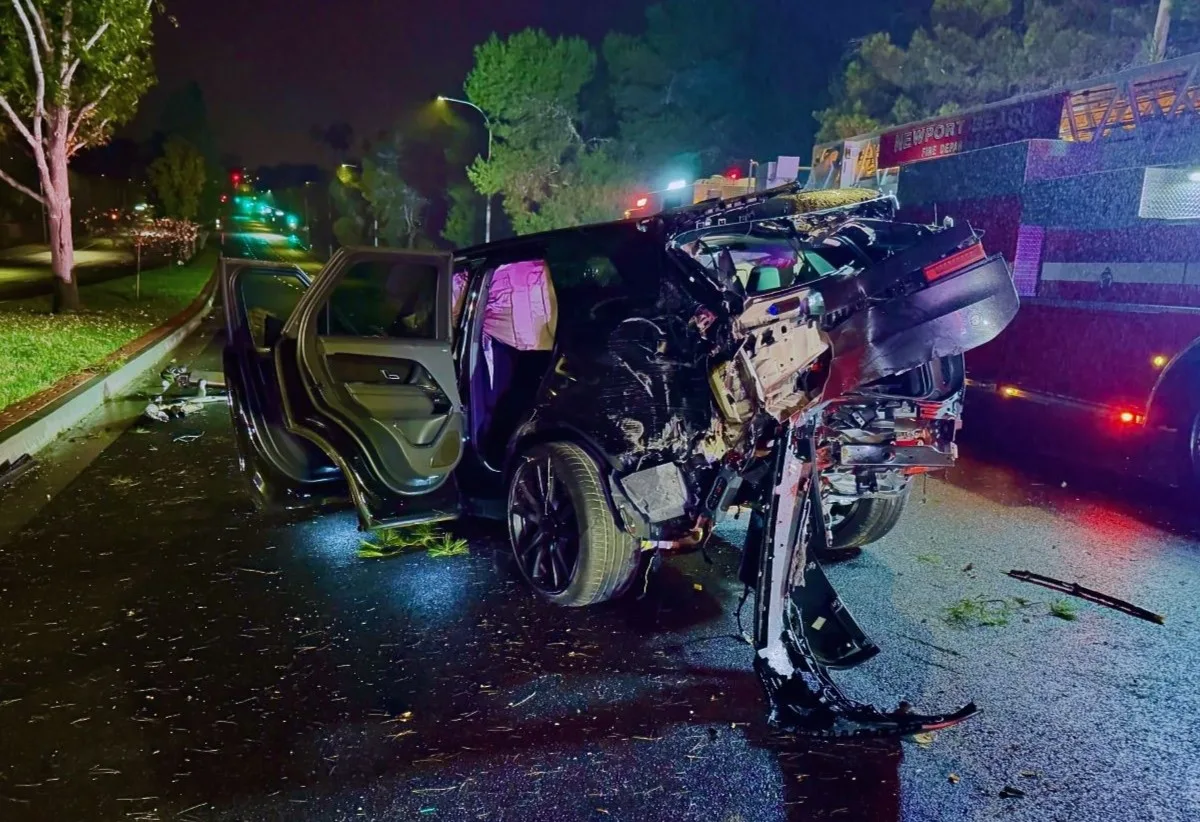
(62, 244)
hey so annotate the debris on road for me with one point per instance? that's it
(1009, 792)
(953, 779)
(11, 470)
(1064, 609)
(160, 411)
(979, 612)
(1077, 590)
(181, 376)
(185, 438)
(393, 542)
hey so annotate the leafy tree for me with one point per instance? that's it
(70, 72)
(178, 177)
(679, 88)
(349, 207)
(185, 114)
(464, 220)
(980, 51)
(397, 206)
(529, 86)
(593, 188)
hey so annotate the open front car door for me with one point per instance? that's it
(366, 373)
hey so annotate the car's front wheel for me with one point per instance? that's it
(564, 539)
(865, 520)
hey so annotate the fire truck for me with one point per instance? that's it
(1092, 193)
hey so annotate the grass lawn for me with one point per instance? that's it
(37, 348)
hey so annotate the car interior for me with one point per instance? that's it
(763, 264)
(515, 337)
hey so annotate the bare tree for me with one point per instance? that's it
(70, 72)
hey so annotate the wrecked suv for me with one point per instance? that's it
(611, 391)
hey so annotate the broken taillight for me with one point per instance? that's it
(955, 262)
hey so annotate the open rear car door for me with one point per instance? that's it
(366, 372)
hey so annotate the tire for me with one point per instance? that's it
(603, 560)
(868, 520)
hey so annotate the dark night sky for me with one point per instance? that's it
(271, 69)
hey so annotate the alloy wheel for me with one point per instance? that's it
(543, 526)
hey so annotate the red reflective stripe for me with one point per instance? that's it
(955, 262)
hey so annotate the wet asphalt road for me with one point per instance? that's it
(167, 653)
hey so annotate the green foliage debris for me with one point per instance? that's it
(1064, 609)
(979, 612)
(426, 537)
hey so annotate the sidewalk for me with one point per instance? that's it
(25, 270)
(38, 349)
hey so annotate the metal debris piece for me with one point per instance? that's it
(188, 437)
(154, 412)
(1009, 792)
(11, 470)
(1077, 590)
(160, 411)
(659, 492)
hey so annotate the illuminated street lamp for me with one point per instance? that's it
(487, 214)
(676, 185)
(375, 219)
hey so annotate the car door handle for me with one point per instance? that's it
(389, 376)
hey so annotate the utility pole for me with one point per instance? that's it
(487, 214)
(1162, 27)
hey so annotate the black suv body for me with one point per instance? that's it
(611, 391)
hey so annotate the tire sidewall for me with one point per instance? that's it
(585, 566)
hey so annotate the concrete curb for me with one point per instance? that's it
(39, 428)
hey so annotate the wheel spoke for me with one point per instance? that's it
(559, 567)
(537, 539)
(540, 564)
(529, 505)
(555, 565)
(547, 506)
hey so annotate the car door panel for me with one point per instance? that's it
(285, 471)
(387, 405)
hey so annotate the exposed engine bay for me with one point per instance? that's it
(830, 346)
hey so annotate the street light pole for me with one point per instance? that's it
(1162, 26)
(374, 217)
(487, 214)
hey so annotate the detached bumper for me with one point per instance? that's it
(949, 317)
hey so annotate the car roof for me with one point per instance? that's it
(531, 239)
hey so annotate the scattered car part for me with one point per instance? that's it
(12, 470)
(1077, 590)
